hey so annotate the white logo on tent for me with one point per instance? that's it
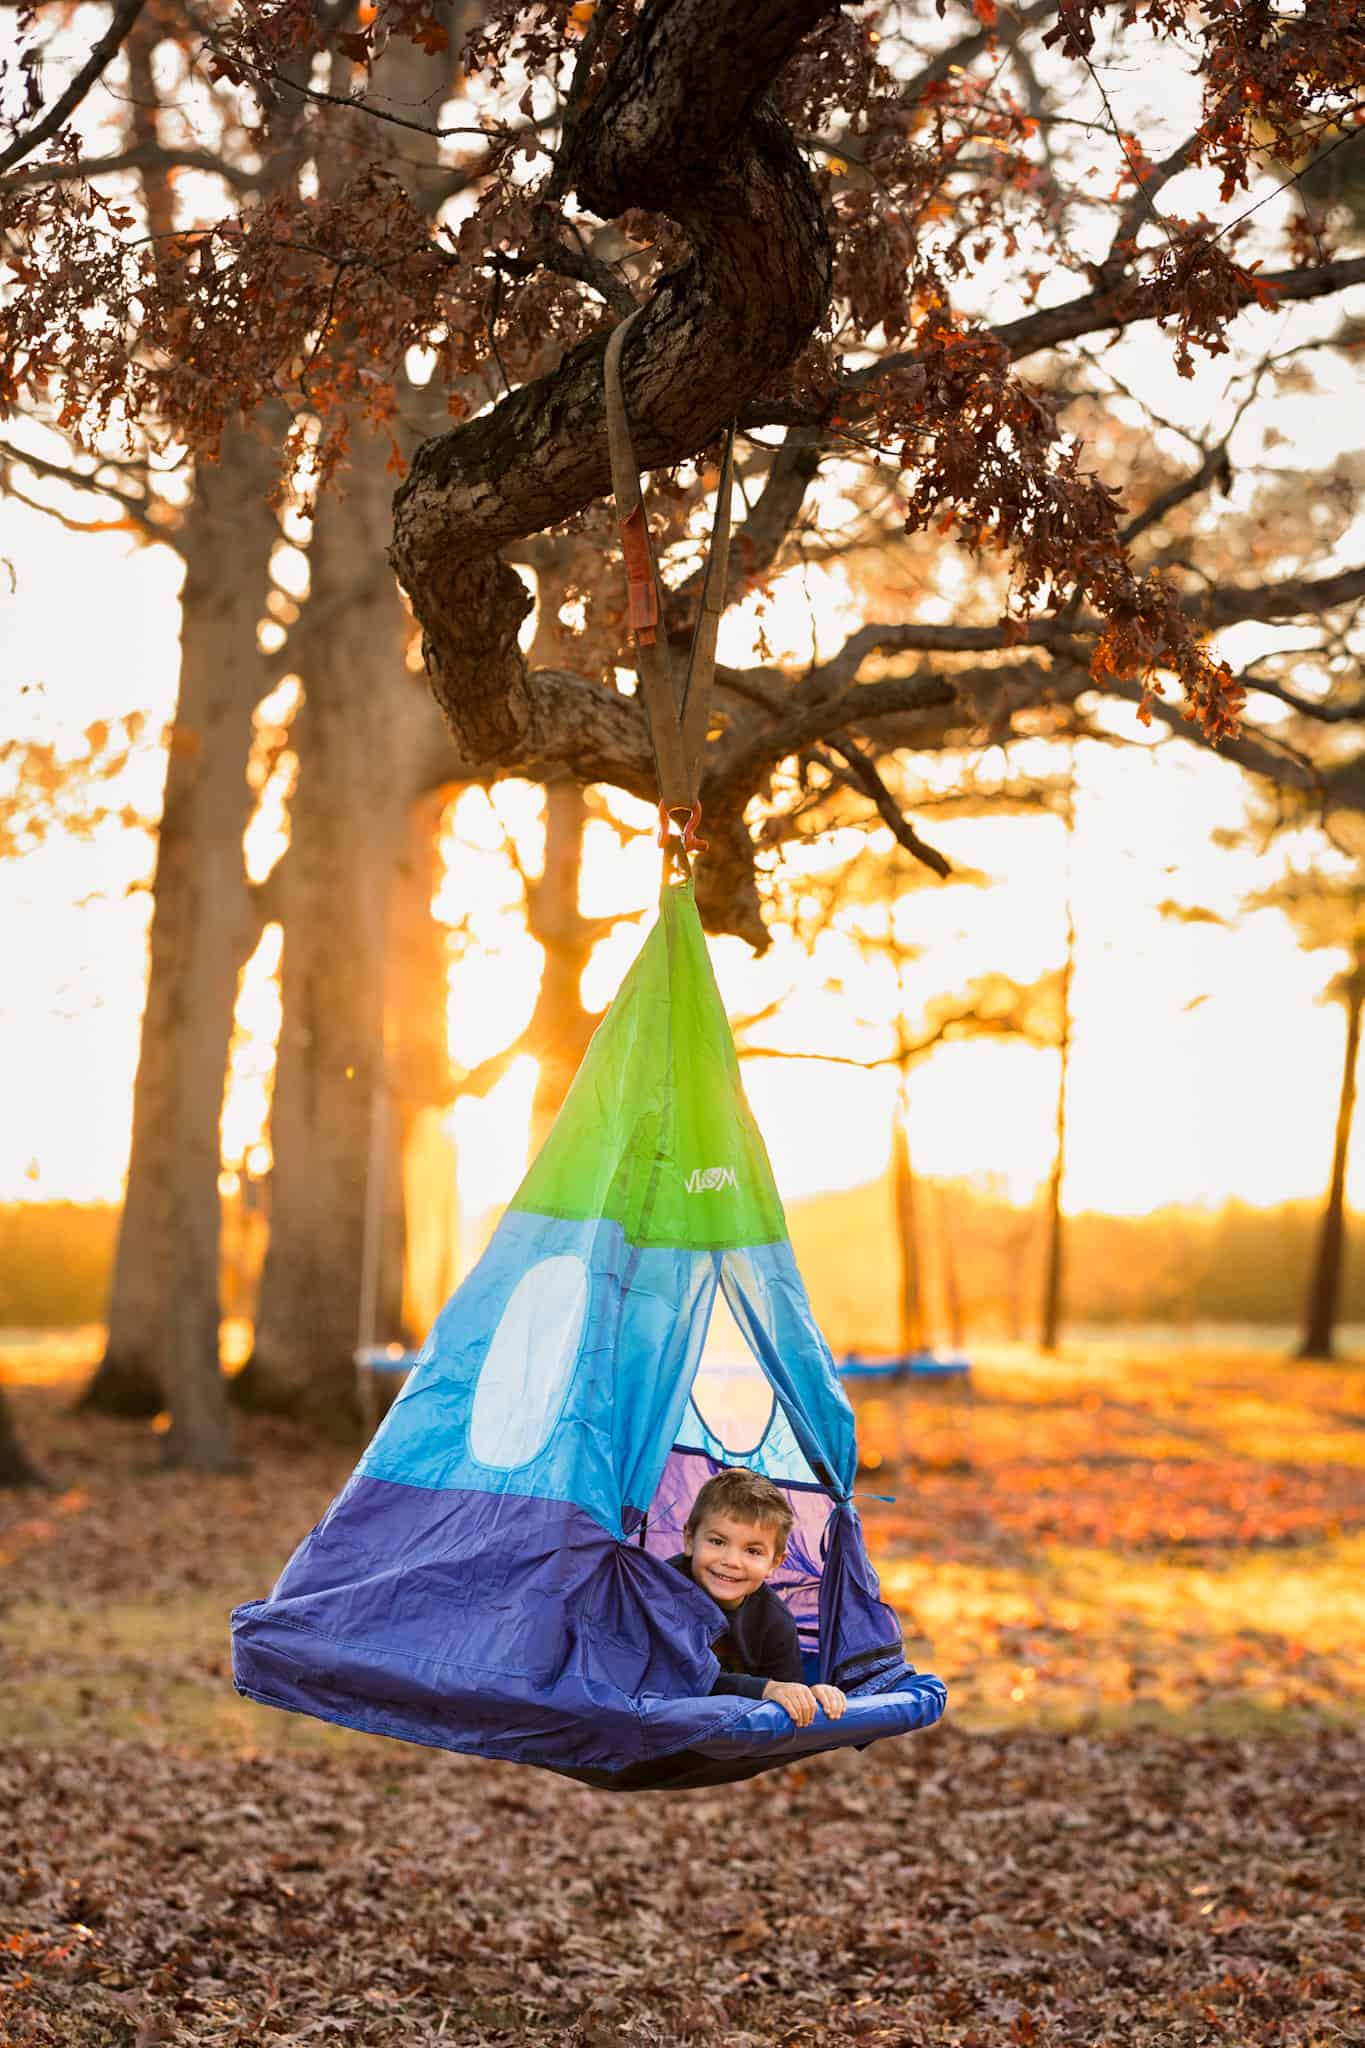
(704, 1179)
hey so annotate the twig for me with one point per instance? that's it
(864, 776)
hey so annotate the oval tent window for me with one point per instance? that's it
(529, 1363)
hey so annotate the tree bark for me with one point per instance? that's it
(163, 1311)
(1324, 1286)
(366, 736)
(16, 1467)
(164, 1303)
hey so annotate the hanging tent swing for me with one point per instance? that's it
(494, 1577)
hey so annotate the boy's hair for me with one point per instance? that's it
(749, 1498)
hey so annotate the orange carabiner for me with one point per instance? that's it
(687, 832)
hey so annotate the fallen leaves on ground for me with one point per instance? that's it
(1143, 1578)
(972, 1890)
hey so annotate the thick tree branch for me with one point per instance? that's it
(740, 763)
(679, 126)
(1297, 597)
(1099, 312)
(913, 637)
(1259, 753)
(1351, 712)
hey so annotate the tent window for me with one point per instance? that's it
(529, 1363)
(731, 1393)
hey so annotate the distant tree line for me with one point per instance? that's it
(1237, 1265)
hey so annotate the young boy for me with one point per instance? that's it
(735, 1539)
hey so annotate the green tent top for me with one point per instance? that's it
(655, 1133)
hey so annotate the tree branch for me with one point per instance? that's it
(1108, 310)
(958, 55)
(740, 763)
(1297, 597)
(1214, 469)
(677, 126)
(84, 480)
(1131, 218)
(125, 14)
(758, 540)
(863, 775)
(1322, 714)
(139, 157)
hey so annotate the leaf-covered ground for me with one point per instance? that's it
(1141, 1824)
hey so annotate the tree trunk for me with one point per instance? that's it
(560, 1027)
(369, 740)
(367, 737)
(198, 929)
(952, 1286)
(420, 1081)
(1324, 1287)
(911, 1338)
(16, 1468)
(1053, 1266)
(163, 1311)
(1017, 1263)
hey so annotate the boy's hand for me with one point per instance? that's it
(796, 1700)
(801, 1701)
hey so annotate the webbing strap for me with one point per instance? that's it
(677, 719)
(695, 710)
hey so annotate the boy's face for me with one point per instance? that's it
(730, 1558)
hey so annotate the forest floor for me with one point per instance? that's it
(1141, 1573)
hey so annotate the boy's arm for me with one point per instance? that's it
(777, 1656)
(781, 1654)
(740, 1682)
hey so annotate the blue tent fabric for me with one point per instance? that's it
(524, 1630)
(494, 1576)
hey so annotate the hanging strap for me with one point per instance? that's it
(677, 720)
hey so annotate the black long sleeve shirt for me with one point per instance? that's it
(759, 1643)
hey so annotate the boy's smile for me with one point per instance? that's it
(730, 1559)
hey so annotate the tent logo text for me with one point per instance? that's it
(704, 1179)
